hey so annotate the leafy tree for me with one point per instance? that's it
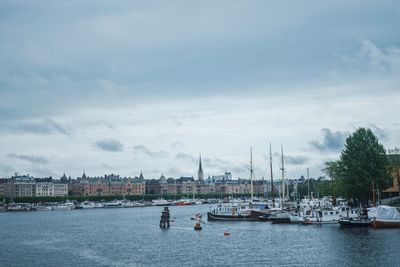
(333, 169)
(363, 165)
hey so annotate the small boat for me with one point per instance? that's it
(113, 204)
(361, 221)
(385, 217)
(184, 202)
(354, 223)
(296, 218)
(64, 206)
(227, 233)
(197, 226)
(160, 202)
(280, 217)
(41, 208)
(19, 207)
(232, 212)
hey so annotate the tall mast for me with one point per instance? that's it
(308, 179)
(283, 175)
(193, 188)
(272, 177)
(251, 173)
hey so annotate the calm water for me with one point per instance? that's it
(132, 237)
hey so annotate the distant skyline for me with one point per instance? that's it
(123, 87)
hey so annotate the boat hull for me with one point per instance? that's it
(386, 223)
(275, 220)
(223, 217)
(354, 223)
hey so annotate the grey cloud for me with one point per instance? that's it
(44, 126)
(5, 169)
(296, 160)
(106, 166)
(331, 141)
(216, 163)
(379, 132)
(293, 160)
(211, 163)
(144, 150)
(42, 172)
(29, 158)
(177, 145)
(111, 145)
(187, 157)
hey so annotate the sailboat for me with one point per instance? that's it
(281, 216)
(235, 211)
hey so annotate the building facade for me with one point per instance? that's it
(109, 185)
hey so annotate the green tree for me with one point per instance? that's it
(333, 169)
(364, 166)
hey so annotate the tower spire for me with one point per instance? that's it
(200, 174)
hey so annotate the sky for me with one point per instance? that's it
(128, 86)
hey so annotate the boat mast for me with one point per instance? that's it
(308, 179)
(272, 177)
(283, 175)
(251, 173)
(193, 188)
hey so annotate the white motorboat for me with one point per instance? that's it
(64, 206)
(160, 202)
(113, 204)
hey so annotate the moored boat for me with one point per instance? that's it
(113, 204)
(230, 212)
(64, 206)
(385, 217)
(184, 202)
(354, 223)
(160, 202)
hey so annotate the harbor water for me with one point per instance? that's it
(132, 237)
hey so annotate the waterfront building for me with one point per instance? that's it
(3, 187)
(21, 186)
(227, 176)
(109, 185)
(28, 186)
(50, 187)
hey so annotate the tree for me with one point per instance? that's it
(333, 169)
(364, 166)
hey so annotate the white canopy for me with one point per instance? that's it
(384, 212)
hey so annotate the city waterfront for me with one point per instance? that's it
(132, 237)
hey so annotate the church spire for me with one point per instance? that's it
(200, 175)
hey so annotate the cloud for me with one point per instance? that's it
(380, 132)
(215, 163)
(372, 59)
(29, 158)
(144, 150)
(331, 141)
(106, 166)
(111, 145)
(296, 160)
(44, 126)
(187, 157)
(177, 145)
(6, 169)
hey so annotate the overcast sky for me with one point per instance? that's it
(124, 86)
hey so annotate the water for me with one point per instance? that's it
(132, 237)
